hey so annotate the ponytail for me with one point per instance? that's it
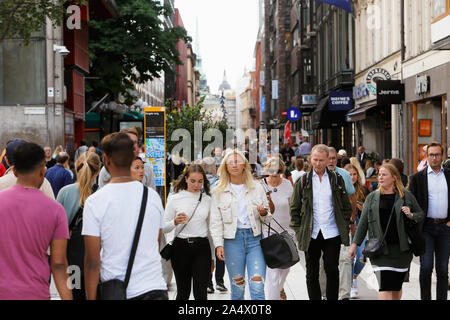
(87, 166)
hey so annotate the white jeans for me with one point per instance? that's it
(275, 279)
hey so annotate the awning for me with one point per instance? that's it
(359, 113)
(443, 44)
(133, 115)
(92, 120)
(323, 118)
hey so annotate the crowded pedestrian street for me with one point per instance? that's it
(296, 290)
(236, 153)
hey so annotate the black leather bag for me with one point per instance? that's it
(374, 246)
(415, 234)
(279, 249)
(116, 289)
(167, 251)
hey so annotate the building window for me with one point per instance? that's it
(23, 73)
(295, 37)
(441, 8)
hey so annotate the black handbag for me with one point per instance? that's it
(415, 234)
(116, 289)
(279, 249)
(167, 251)
(374, 246)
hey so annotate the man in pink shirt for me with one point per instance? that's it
(31, 222)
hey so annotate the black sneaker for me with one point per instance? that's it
(210, 289)
(221, 287)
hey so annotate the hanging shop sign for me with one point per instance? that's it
(422, 85)
(309, 99)
(360, 91)
(374, 76)
(340, 101)
(390, 92)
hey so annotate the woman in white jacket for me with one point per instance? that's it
(239, 206)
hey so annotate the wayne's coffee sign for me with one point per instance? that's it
(390, 92)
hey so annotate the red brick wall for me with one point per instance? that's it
(181, 80)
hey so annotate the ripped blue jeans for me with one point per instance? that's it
(245, 251)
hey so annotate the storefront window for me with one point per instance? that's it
(431, 124)
(440, 7)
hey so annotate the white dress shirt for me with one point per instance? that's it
(437, 194)
(324, 219)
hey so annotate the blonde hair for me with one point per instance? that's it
(354, 162)
(224, 176)
(398, 185)
(58, 149)
(275, 162)
(320, 148)
(87, 166)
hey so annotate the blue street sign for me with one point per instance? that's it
(263, 104)
(293, 114)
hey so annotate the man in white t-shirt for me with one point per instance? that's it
(109, 223)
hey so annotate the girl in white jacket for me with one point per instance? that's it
(239, 206)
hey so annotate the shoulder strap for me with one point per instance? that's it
(75, 218)
(136, 236)
(389, 222)
(193, 213)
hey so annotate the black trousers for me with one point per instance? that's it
(191, 262)
(153, 295)
(331, 249)
(219, 272)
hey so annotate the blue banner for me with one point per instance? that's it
(340, 100)
(343, 4)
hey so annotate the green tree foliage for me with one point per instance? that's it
(134, 48)
(185, 117)
(21, 18)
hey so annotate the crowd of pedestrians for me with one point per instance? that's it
(107, 226)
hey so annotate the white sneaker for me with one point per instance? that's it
(354, 290)
(354, 293)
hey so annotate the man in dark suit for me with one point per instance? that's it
(362, 156)
(431, 188)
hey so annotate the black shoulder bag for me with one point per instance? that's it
(374, 246)
(279, 249)
(415, 234)
(117, 289)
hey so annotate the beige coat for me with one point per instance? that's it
(9, 180)
(224, 213)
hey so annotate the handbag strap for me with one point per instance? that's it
(136, 237)
(193, 213)
(270, 228)
(389, 223)
(75, 218)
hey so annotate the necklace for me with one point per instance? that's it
(275, 188)
(120, 178)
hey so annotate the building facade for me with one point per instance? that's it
(378, 47)
(426, 75)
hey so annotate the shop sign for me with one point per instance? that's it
(390, 92)
(340, 101)
(275, 89)
(374, 76)
(308, 99)
(422, 85)
(360, 91)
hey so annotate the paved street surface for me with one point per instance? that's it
(295, 286)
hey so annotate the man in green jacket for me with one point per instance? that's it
(320, 217)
